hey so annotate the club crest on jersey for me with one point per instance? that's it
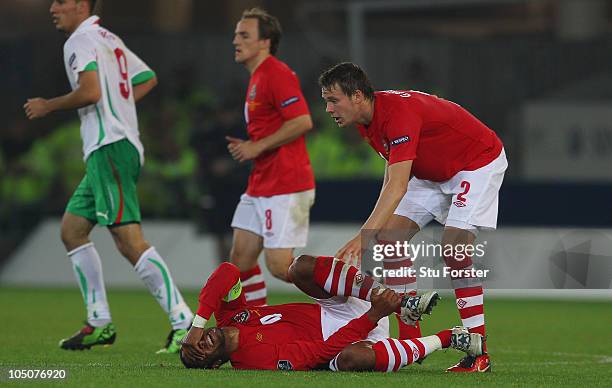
(253, 93)
(241, 317)
(386, 147)
(284, 365)
(400, 140)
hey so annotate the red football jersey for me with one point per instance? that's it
(285, 337)
(273, 97)
(441, 137)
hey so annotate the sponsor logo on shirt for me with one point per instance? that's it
(399, 140)
(259, 337)
(289, 101)
(253, 93)
(71, 60)
(284, 365)
(459, 204)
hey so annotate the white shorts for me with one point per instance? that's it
(281, 220)
(468, 200)
(337, 311)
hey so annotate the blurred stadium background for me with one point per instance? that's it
(537, 72)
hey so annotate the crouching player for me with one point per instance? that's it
(346, 330)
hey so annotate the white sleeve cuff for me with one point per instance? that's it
(198, 321)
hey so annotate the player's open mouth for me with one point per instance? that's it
(337, 119)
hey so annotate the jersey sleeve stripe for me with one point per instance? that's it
(143, 77)
(91, 66)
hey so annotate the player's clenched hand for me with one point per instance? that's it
(36, 108)
(242, 150)
(383, 303)
(351, 252)
(191, 347)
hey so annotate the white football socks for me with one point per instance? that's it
(88, 271)
(431, 343)
(154, 272)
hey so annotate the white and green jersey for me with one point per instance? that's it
(113, 117)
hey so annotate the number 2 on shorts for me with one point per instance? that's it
(466, 187)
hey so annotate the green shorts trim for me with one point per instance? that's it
(107, 193)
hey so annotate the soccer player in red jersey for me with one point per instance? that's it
(273, 214)
(442, 164)
(339, 332)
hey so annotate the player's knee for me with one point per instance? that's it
(123, 248)
(354, 359)
(130, 248)
(301, 268)
(66, 237)
(458, 261)
(242, 258)
(72, 237)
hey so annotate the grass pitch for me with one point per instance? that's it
(531, 342)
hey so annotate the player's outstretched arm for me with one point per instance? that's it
(395, 186)
(87, 93)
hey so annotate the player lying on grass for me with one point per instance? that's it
(343, 331)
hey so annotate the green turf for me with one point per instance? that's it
(531, 342)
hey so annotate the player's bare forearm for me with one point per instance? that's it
(288, 132)
(142, 89)
(242, 150)
(385, 178)
(86, 94)
(396, 177)
(389, 198)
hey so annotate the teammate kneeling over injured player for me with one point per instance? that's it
(347, 329)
